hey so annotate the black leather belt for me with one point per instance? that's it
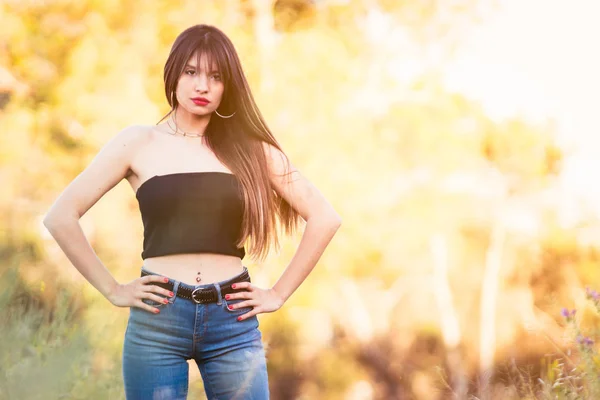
(202, 295)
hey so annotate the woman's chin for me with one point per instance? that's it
(199, 112)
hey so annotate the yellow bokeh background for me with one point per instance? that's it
(457, 140)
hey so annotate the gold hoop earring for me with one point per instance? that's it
(224, 116)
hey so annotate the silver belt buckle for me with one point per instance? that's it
(194, 296)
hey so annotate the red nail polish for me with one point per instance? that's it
(171, 294)
(233, 286)
(227, 297)
(230, 307)
(239, 318)
(156, 311)
(166, 279)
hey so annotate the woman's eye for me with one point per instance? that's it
(188, 71)
(217, 77)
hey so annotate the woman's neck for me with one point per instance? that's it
(190, 123)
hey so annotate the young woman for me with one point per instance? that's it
(209, 180)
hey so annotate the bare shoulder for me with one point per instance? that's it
(134, 136)
(129, 143)
(277, 160)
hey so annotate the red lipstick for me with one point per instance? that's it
(200, 101)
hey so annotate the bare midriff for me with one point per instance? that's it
(195, 269)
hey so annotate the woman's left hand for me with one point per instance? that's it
(262, 300)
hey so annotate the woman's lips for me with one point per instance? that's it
(200, 102)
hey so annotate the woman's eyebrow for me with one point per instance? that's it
(215, 69)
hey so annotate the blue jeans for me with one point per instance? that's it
(228, 352)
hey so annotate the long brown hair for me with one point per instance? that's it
(237, 141)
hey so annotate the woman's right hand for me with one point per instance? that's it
(132, 293)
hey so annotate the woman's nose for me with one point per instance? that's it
(201, 83)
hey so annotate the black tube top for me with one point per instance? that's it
(191, 212)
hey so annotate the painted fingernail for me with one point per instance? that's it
(239, 318)
(171, 294)
(156, 311)
(165, 301)
(166, 279)
(233, 286)
(230, 307)
(227, 297)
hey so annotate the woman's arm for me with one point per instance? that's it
(108, 168)
(322, 222)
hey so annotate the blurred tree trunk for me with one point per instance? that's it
(264, 32)
(449, 321)
(489, 298)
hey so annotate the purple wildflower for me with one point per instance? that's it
(569, 315)
(584, 340)
(592, 294)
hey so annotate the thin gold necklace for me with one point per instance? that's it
(181, 132)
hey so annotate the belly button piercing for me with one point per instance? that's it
(198, 278)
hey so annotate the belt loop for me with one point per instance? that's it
(175, 288)
(219, 297)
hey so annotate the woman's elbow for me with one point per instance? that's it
(50, 221)
(56, 218)
(334, 219)
(326, 216)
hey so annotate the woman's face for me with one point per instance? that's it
(200, 88)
